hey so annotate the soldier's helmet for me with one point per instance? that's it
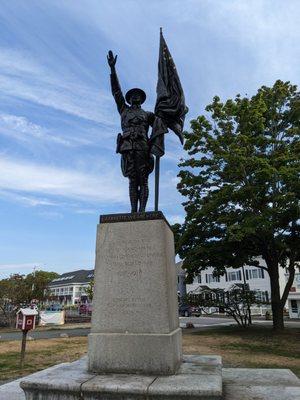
(133, 91)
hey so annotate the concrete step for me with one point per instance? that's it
(199, 377)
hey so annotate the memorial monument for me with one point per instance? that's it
(134, 349)
(135, 276)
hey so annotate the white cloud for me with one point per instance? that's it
(86, 211)
(176, 219)
(23, 268)
(51, 215)
(25, 78)
(22, 129)
(26, 177)
(28, 200)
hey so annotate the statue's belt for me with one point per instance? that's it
(134, 131)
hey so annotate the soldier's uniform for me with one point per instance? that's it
(133, 144)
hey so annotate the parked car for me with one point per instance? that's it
(54, 307)
(195, 311)
(185, 310)
(85, 309)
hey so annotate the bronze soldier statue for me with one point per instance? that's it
(133, 145)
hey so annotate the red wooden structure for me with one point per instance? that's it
(26, 318)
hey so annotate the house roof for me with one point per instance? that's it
(28, 311)
(79, 276)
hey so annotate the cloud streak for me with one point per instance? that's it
(23, 268)
(22, 129)
(25, 78)
(26, 177)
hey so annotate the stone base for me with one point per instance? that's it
(157, 353)
(135, 325)
(199, 377)
(70, 381)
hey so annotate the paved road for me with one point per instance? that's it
(198, 322)
(55, 333)
(204, 322)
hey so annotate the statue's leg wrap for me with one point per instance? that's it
(133, 194)
(144, 192)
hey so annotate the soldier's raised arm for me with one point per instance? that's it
(115, 85)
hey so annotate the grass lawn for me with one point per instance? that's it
(40, 354)
(257, 347)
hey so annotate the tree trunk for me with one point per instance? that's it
(277, 306)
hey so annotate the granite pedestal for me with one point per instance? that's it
(135, 325)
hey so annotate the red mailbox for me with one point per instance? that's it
(26, 319)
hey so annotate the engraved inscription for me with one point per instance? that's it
(127, 273)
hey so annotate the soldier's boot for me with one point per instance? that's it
(144, 194)
(133, 195)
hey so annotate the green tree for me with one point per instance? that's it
(242, 187)
(90, 290)
(14, 293)
(235, 302)
(19, 290)
(37, 283)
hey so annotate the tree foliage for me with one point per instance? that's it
(89, 290)
(242, 187)
(19, 290)
(235, 302)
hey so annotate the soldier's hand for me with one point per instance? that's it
(111, 59)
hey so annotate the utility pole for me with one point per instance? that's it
(23, 347)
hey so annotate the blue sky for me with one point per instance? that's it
(58, 121)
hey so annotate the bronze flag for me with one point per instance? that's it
(170, 108)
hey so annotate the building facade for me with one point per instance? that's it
(294, 297)
(181, 285)
(257, 279)
(70, 288)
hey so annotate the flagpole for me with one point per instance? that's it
(157, 159)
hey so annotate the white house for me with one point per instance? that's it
(257, 278)
(294, 297)
(70, 288)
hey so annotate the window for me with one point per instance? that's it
(294, 306)
(63, 278)
(256, 273)
(199, 278)
(234, 276)
(262, 296)
(210, 278)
